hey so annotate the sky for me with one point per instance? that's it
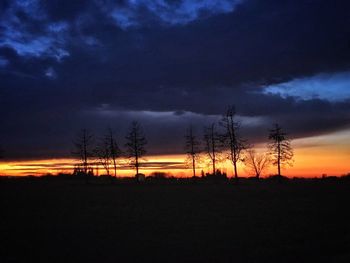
(168, 64)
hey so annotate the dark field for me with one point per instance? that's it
(68, 221)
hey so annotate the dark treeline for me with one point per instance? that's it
(220, 141)
(106, 151)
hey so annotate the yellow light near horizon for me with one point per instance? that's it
(36, 167)
(314, 156)
(55, 166)
(326, 154)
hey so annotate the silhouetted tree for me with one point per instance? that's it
(256, 163)
(103, 153)
(212, 142)
(231, 139)
(114, 149)
(108, 152)
(192, 148)
(135, 144)
(280, 149)
(84, 148)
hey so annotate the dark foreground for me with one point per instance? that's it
(69, 221)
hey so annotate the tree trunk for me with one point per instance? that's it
(213, 148)
(137, 164)
(279, 159)
(194, 166)
(236, 174)
(115, 167)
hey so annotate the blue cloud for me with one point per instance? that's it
(331, 87)
(30, 7)
(48, 41)
(58, 27)
(50, 73)
(39, 46)
(167, 12)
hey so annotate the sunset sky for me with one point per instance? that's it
(168, 64)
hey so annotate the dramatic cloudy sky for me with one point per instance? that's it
(67, 65)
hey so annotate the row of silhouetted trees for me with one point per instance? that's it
(221, 140)
(107, 151)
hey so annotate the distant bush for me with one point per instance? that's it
(218, 176)
(159, 175)
(277, 177)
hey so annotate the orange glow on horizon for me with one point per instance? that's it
(314, 156)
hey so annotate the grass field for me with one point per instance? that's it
(57, 220)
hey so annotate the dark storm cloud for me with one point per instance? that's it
(63, 66)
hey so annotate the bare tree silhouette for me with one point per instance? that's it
(231, 139)
(114, 149)
(135, 144)
(257, 163)
(108, 152)
(84, 149)
(192, 147)
(212, 142)
(103, 153)
(280, 149)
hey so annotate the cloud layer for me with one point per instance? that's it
(169, 63)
